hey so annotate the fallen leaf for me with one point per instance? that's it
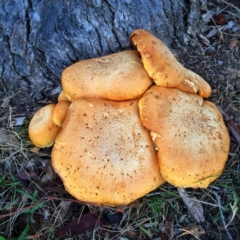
(114, 218)
(167, 231)
(234, 109)
(233, 72)
(195, 231)
(229, 26)
(22, 176)
(8, 138)
(64, 208)
(235, 130)
(50, 174)
(231, 87)
(207, 17)
(212, 33)
(35, 236)
(236, 29)
(18, 121)
(204, 40)
(35, 149)
(5, 102)
(234, 207)
(219, 19)
(233, 43)
(194, 207)
(131, 234)
(80, 225)
(135, 204)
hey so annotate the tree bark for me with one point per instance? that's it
(39, 38)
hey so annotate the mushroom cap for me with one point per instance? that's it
(164, 68)
(42, 130)
(60, 112)
(62, 97)
(119, 76)
(190, 135)
(104, 155)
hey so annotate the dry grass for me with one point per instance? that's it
(34, 204)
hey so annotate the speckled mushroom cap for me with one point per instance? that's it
(164, 68)
(42, 130)
(119, 76)
(104, 155)
(190, 135)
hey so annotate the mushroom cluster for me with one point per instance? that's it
(128, 122)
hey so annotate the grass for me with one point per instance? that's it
(35, 205)
(32, 208)
(33, 211)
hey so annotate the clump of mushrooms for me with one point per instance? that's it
(127, 122)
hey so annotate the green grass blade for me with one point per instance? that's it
(26, 229)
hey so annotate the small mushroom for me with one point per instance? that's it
(42, 130)
(62, 97)
(190, 135)
(60, 112)
(104, 155)
(119, 76)
(164, 68)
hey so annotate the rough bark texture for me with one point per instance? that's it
(39, 38)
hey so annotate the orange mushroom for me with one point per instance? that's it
(164, 68)
(190, 135)
(104, 155)
(42, 130)
(62, 97)
(119, 76)
(60, 112)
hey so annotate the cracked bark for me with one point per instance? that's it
(38, 38)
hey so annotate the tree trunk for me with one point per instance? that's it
(39, 38)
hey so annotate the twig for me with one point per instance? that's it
(235, 15)
(231, 5)
(185, 232)
(221, 214)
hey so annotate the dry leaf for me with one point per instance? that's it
(114, 218)
(231, 87)
(8, 138)
(64, 208)
(233, 43)
(204, 40)
(167, 232)
(50, 174)
(207, 17)
(195, 231)
(80, 225)
(135, 204)
(235, 130)
(212, 33)
(5, 102)
(233, 72)
(35, 149)
(18, 121)
(234, 109)
(234, 206)
(219, 19)
(131, 234)
(194, 207)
